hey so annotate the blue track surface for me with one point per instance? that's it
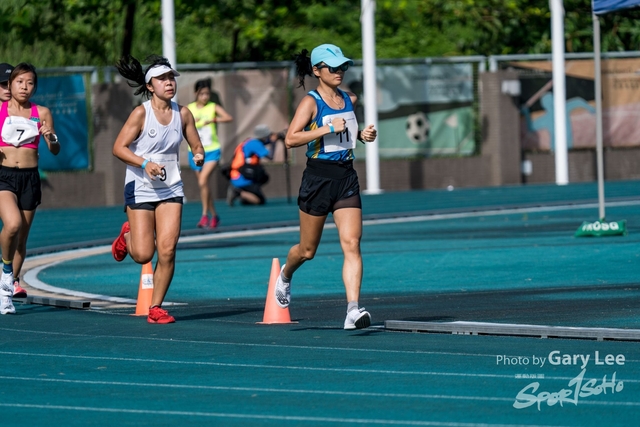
(503, 255)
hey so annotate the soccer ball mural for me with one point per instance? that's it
(418, 126)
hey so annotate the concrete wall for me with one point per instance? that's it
(619, 164)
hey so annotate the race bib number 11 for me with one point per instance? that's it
(345, 140)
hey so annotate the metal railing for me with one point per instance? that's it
(494, 60)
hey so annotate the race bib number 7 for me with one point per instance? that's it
(18, 131)
(344, 140)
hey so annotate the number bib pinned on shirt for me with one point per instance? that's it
(206, 136)
(18, 131)
(344, 140)
(170, 175)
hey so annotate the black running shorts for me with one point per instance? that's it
(151, 206)
(327, 186)
(24, 183)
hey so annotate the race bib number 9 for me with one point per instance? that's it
(18, 131)
(170, 175)
(344, 140)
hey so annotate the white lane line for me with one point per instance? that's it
(298, 391)
(494, 212)
(31, 276)
(22, 332)
(260, 417)
(254, 365)
(285, 367)
(263, 389)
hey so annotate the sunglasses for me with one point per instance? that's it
(4, 85)
(333, 70)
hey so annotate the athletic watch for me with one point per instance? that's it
(53, 138)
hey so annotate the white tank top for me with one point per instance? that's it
(159, 144)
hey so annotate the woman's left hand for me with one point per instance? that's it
(369, 134)
(198, 159)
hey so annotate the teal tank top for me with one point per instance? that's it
(336, 147)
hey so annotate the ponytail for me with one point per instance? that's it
(131, 69)
(303, 66)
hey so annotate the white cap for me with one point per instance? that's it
(159, 70)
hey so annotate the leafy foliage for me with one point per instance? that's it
(92, 32)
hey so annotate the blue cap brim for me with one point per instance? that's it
(336, 62)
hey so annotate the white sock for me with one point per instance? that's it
(283, 277)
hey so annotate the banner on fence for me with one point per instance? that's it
(424, 110)
(65, 96)
(620, 103)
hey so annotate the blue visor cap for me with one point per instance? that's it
(330, 55)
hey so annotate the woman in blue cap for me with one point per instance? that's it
(325, 121)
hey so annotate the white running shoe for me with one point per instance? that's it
(283, 291)
(6, 305)
(6, 284)
(357, 319)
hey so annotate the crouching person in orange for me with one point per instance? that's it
(247, 174)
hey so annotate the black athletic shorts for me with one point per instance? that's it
(24, 183)
(151, 206)
(328, 185)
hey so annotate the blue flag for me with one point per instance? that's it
(601, 7)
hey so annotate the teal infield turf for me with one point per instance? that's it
(497, 255)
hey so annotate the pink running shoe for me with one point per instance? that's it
(158, 315)
(119, 246)
(214, 222)
(18, 291)
(204, 222)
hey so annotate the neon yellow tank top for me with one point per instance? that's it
(208, 135)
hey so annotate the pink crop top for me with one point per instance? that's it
(34, 117)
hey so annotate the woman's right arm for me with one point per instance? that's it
(306, 111)
(127, 135)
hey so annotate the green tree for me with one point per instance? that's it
(97, 32)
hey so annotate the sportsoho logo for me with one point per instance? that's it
(579, 387)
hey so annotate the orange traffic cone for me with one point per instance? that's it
(145, 291)
(273, 313)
